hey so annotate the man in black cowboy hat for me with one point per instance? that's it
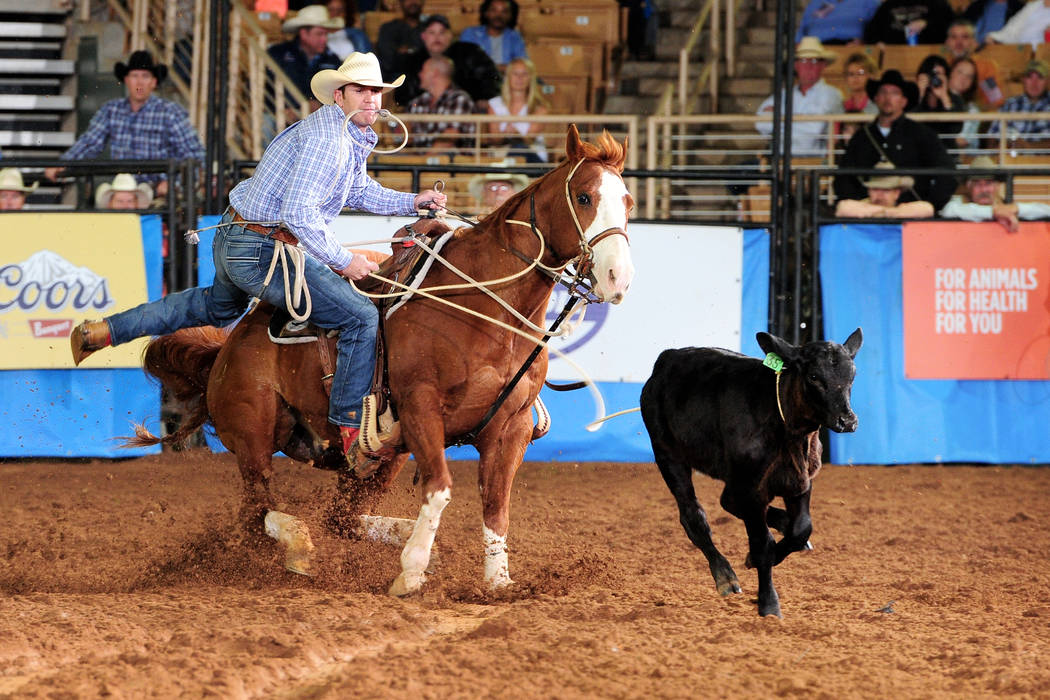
(894, 138)
(140, 126)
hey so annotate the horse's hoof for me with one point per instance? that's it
(500, 582)
(407, 583)
(299, 563)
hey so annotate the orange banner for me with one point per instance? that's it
(976, 301)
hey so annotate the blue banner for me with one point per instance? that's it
(905, 421)
(79, 413)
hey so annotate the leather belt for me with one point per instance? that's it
(278, 233)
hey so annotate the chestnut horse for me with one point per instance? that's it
(446, 367)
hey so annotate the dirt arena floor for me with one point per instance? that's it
(128, 579)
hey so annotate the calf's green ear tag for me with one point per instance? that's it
(773, 362)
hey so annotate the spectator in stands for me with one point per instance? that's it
(493, 189)
(962, 81)
(894, 138)
(1034, 99)
(13, 190)
(343, 42)
(990, 15)
(474, 70)
(300, 58)
(643, 27)
(884, 192)
(496, 34)
(811, 96)
(520, 95)
(1028, 26)
(123, 193)
(909, 22)
(399, 44)
(832, 22)
(140, 126)
(983, 201)
(440, 96)
(859, 68)
(932, 80)
(961, 43)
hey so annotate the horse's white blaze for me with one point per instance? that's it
(386, 530)
(497, 568)
(416, 554)
(295, 536)
(613, 269)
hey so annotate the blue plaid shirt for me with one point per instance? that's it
(308, 174)
(159, 130)
(1023, 103)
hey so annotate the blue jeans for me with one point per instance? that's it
(242, 258)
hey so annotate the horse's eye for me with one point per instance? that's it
(583, 198)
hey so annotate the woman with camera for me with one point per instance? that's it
(932, 79)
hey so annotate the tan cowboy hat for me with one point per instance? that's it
(312, 16)
(810, 47)
(359, 68)
(477, 183)
(888, 182)
(123, 183)
(11, 179)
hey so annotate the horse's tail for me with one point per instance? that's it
(182, 362)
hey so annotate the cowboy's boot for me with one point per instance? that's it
(88, 337)
(363, 464)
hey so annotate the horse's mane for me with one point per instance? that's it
(608, 152)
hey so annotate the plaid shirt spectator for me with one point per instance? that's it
(307, 175)
(1023, 103)
(452, 101)
(160, 130)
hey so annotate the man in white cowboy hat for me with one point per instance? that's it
(308, 52)
(812, 96)
(123, 193)
(884, 191)
(13, 190)
(983, 200)
(140, 126)
(493, 189)
(308, 173)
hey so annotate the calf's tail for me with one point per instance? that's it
(182, 362)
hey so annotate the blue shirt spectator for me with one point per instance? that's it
(140, 126)
(1035, 98)
(496, 34)
(836, 21)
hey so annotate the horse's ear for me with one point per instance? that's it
(573, 145)
(623, 156)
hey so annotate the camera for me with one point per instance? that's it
(935, 80)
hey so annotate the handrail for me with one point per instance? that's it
(709, 10)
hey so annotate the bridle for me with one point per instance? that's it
(578, 283)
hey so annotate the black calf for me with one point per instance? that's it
(754, 426)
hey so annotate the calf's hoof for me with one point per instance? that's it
(808, 546)
(728, 587)
(407, 583)
(769, 609)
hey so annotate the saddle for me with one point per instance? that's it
(406, 265)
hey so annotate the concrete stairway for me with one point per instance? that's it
(37, 84)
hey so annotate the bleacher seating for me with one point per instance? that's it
(906, 59)
(1011, 58)
(36, 95)
(568, 94)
